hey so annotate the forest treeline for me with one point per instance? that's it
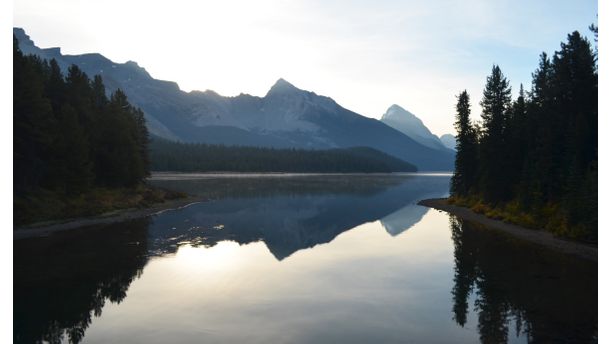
(196, 157)
(533, 160)
(69, 137)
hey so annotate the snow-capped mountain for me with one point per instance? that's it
(285, 117)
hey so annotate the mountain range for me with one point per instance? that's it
(285, 117)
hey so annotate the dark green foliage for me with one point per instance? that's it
(193, 157)
(494, 167)
(466, 160)
(539, 151)
(68, 137)
(73, 168)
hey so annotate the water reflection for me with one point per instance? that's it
(62, 281)
(219, 271)
(548, 297)
(290, 214)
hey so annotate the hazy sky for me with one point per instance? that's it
(366, 55)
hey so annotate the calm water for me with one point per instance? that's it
(318, 259)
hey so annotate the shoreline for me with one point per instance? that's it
(539, 237)
(172, 175)
(43, 229)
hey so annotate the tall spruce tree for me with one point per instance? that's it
(466, 161)
(516, 143)
(535, 184)
(495, 104)
(575, 85)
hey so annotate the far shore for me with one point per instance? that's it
(156, 175)
(540, 237)
(44, 229)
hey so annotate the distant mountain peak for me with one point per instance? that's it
(449, 141)
(22, 36)
(20, 33)
(283, 86)
(410, 125)
(396, 111)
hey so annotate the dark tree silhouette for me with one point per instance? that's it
(69, 137)
(537, 156)
(495, 104)
(466, 160)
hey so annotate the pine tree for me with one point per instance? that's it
(466, 161)
(55, 86)
(575, 83)
(516, 143)
(495, 105)
(541, 150)
(72, 152)
(33, 123)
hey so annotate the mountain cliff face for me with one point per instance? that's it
(285, 117)
(410, 125)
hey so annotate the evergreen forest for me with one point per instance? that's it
(69, 138)
(533, 160)
(196, 157)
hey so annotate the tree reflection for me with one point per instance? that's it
(550, 297)
(59, 282)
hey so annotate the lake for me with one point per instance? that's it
(300, 259)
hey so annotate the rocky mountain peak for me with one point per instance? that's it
(282, 86)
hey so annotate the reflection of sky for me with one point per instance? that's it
(364, 286)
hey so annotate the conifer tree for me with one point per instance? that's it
(540, 151)
(495, 105)
(466, 161)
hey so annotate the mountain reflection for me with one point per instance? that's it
(290, 214)
(61, 280)
(508, 288)
(548, 297)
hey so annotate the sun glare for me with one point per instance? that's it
(222, 256)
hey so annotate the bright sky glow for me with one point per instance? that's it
(366, 55)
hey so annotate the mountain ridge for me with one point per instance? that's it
(286, 117)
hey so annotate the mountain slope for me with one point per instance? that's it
(403, 120)
(285, 117)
